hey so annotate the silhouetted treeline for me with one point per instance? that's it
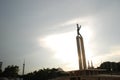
(44, 74)
(10, 71)
(110, 67)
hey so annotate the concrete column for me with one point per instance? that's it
(81, 52)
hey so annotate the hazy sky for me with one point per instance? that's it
(43, 32)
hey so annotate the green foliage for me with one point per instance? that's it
(44, 74)
(11, 71)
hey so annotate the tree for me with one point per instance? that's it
(110, 66)
(45, 74)
(11, 71)
(106, 65)
(0, 72)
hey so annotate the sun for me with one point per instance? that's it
(64, 47)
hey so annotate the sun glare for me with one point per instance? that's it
(64, 46)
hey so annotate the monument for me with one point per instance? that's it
(85, 73)
(80, 49)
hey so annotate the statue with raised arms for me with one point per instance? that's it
(78, 29)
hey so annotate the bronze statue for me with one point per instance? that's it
(78, 29)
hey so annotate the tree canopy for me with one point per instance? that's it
(110, 66)
(45, 74)
(11, 71)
